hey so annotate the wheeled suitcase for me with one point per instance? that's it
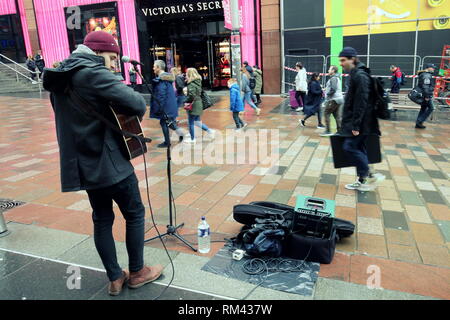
(292, 101)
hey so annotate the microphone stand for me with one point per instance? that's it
(171, 228)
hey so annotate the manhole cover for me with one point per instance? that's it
(6, 204)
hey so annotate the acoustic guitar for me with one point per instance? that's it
(128, 127)
(130, 146)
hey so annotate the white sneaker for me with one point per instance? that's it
(299, 109)
(212, 134)
(376, 178)
(33, 82)
(189, 140)
(258, 111)
(357, 185)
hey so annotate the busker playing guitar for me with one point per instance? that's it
(90, 156)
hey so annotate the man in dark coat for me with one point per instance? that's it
(426, 86)
(359, 119)
(163, 104)
(40, 63)
(90, 157)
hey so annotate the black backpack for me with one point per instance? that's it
(381, 99)
(403, 79)
(206, 100)
(252, 83)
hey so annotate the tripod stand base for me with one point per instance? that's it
(172, 231)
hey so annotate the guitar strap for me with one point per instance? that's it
(90, 110)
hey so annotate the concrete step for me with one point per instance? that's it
(9, 83)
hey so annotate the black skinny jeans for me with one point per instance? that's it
(238, 120)
(127, 196)
(302, 95)
(165, 128)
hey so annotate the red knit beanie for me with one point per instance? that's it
(101, 41)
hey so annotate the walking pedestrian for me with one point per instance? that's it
(236, 103)
(259, 83)
(133, 76)
(301, 85)
(396, 79)
(252, 80)
(426, 86)
(31, 65)
(194, 91)
(90, 154)
(179, 85)
(40, 63)
(359, 119)
(245, 86)
(163, 104)
(313, 101)
(334, 100)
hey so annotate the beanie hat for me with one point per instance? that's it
(348, 52)
(101, 41)
(430, 65)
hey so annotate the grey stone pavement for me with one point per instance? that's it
(34, 264)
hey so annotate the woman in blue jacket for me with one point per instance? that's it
(313, 101)
(236, 103)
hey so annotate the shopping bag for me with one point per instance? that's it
(340, 158)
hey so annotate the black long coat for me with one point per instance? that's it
(90, 157)
(359, 113)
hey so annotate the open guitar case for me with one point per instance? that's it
(296, 245)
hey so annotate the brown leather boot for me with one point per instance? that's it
(115, 287)
(144, 276)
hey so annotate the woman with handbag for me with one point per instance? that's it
(194, 105)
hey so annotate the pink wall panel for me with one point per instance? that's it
(7, 7)
(53, 32)
(248, 32)
(23, 20)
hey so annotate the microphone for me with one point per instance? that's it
(126, 59)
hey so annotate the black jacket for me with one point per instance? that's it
(359, 113)
(180, 84)
(40, 63)
(315, 94)
(90, 157)
(426, 84)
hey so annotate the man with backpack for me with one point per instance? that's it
(359, 119)
(252, 81)
(398, 79)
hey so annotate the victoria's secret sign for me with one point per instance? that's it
(164, 9)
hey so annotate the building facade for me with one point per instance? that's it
(406, 33)
(187, 33)
(275, 34)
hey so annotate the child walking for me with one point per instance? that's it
(236, 103)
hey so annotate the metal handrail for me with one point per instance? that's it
(18, 64)
(37, 73)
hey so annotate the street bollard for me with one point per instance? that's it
(3, 229)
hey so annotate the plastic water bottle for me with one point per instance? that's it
(204, 236)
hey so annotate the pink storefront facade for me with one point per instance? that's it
(16, 7)
(55, 40)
